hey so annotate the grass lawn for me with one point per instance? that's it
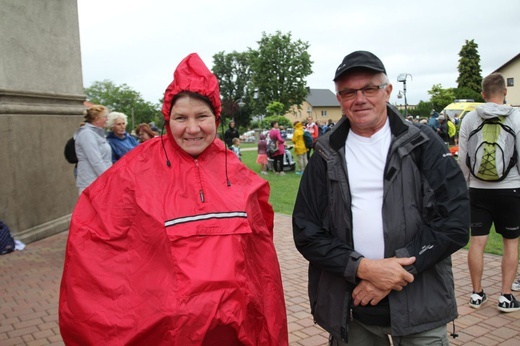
(284, 189)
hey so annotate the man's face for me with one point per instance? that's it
(367, 113)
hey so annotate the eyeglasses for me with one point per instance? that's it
(368, 91)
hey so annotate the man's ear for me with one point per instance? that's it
(388, 90)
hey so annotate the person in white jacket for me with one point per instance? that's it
(493, 202)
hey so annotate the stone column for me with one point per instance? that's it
(41, 105)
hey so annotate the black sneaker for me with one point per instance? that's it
(508, 303)
(477, 299)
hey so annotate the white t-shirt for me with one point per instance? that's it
(366, 159)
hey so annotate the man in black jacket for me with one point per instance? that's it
(231, 133)
(381, 207)
(442, 130)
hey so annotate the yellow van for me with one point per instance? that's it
(460, 108)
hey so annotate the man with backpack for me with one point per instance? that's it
(488, 154)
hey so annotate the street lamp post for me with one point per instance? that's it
(240, 104)
(400, 96)
(402, 78)
(256, 97)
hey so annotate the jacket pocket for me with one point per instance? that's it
(208, 255)
(331, 306)
(434, 288)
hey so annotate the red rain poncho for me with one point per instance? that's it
(172, 255)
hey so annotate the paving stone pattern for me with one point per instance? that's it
(29, 287)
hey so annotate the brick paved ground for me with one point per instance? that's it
(29, 283)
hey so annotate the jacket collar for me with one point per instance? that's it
(113, 135)
(94, 128)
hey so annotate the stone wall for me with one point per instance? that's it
(41, 105)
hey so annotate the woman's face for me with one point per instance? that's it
(193, 125)
(143, 136)
(119, 127)
(101, 120)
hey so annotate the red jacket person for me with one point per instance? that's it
(174, 246)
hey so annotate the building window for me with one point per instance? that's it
(323, 113)
(510, 82)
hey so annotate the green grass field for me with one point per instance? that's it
(284, 189)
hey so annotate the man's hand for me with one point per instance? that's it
(386, 274)
(366, 293)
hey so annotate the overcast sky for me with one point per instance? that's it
(141, 42)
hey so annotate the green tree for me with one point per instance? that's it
(275, 108)
(283, 121)
(274, 112)
(233, 72)
(439, 97)
(467, 93)
(122, 98)
(279, 68)
(423, 109)
(469, 67)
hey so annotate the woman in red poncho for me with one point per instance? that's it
(174, 244)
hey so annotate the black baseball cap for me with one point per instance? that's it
(359, 59)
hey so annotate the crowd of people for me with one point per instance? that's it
(444, 125)
(112, 130)
(97, 149)
(183, 252)
(304, 136)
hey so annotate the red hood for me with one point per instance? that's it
(193, 75)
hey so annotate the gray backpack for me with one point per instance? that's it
(491, 150)
(272, 147)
